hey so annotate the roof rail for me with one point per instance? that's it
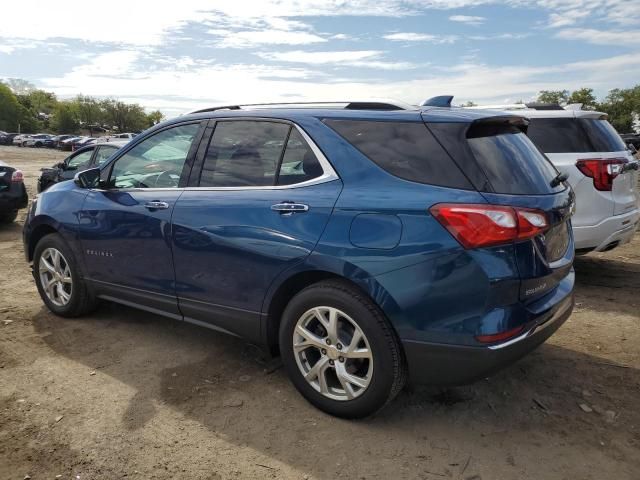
(373, 104)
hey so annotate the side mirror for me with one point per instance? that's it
(88, 178)
(632, 148)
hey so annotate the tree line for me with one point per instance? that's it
(28, 109)
(33, 110)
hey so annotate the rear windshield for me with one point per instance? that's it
(404, 149)
(571, 135)
(512, 164)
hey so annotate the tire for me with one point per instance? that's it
(377, 379)
(9, 217)
(80, 299)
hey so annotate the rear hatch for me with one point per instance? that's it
(508, 170)
(5, 177)
(588, 146)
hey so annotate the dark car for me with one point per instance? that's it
(13, 194)
(67, 143)
(7, 138)
(363, 242)
(632, 139)
(83, 159)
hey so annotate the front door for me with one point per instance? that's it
(125, 226)
(262, 200)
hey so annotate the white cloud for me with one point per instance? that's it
(420, 37)
(350, 58)
(248, 38)
(601, 37)
(468, 19)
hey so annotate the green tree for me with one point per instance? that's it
(553, 96)
(88, 109)
(153, 118)
(621, 105)
(41, 101)
(584, 96)
(124, 117)
(8, 109)
(64, 119)
(20, 86)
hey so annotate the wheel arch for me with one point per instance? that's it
(38, 233)
(280, 295)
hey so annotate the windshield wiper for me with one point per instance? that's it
(558, 179)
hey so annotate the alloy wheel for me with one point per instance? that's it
(333, 353)
(55, 277)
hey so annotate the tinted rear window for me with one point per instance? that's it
(405, 149)
(570, 135)
(602, 135)
(512, 164)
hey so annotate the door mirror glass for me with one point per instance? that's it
(88, 178)
(632, 148)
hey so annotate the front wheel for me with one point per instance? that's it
(58, 278)
(340, 351)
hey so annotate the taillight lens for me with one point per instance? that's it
(602, 170)
(17, 176)
(498, 337)
(477, 225)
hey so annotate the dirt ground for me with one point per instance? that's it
(127, 394)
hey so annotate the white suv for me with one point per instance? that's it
(601, 170)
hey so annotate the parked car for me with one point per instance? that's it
(67, 144)
(37, 141)
(13, 194)
(82, 142)
(631, 139)
(597, 164)
(7, 138)
(55, 141)
(80, 160)
(20, 140)
(363, 243)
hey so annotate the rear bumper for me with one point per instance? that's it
(13, 200)
(611, 232)
(441, 364)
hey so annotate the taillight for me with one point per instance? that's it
(602, 170)
(497, 337)
(17, 176)
(477, 225)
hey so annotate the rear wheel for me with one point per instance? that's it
(340, 351)
(58, 278)
(9, 217)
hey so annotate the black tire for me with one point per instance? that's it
(389, 366)
(9, 217)
(82, 300)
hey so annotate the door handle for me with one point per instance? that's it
(156, 205)
(289, 208)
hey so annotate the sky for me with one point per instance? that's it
(189, 54)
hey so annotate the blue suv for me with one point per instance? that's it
(363, 242)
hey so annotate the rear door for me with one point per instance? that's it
(258, 205)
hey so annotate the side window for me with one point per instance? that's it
(157, 161)
(103, 154)
(405, 149)
(244, 154)
(299, 163)
(79, 160)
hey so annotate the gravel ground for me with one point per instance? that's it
(123, 393)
